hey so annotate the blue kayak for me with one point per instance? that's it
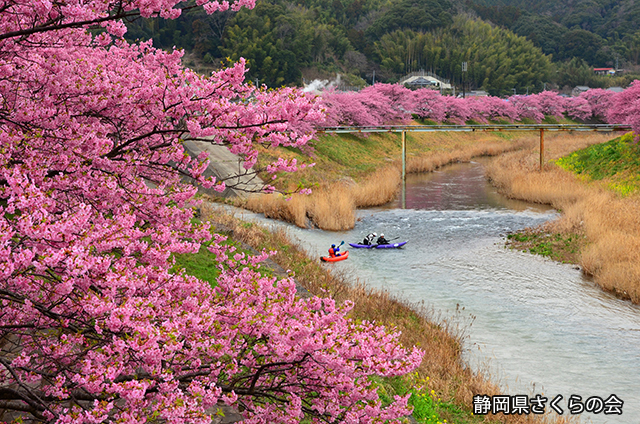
(378, 246)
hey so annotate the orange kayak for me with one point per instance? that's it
(342, 257)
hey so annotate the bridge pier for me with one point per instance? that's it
(541, 148)
(404, 169)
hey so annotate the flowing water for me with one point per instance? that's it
(537, 326)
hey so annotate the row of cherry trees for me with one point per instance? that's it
(94, 325)
(383, 104)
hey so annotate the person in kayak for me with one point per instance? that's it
(382, 240)
(334, 251)
(368, 240)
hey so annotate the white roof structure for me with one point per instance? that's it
(425, 79)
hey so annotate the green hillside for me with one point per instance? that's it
(596, 31)
(507, 44)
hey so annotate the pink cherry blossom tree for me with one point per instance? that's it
(457, 110)
(550, 103)
(95, 326)
(625, 107)
(391, 102)
(347, 109)
(496, 108)
(428, 104)
(527, 107)
(578, 108)
(380, 104)
(477, 109)
(599, 101)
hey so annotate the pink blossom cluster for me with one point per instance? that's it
(376, 105)
(96, 325)
(623, 107)
(386, 104)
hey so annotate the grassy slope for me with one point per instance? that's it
(616, 164)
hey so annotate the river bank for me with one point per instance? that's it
(599, 228)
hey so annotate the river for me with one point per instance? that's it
(536, 326)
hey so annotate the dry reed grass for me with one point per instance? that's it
(276, 206)
(610, 223)
(331, 210)
(448, 376)
(378, 188)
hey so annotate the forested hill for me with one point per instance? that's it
(602, 17)
(507, 44)
(596, 31)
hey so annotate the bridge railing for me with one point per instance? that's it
(471, 128)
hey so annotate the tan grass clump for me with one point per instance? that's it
(276, 206)
(517, 174)
(332, 210)
(378, 188)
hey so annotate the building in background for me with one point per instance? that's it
(424, 79)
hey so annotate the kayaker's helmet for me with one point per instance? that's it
(333, 245)
(381, 235)
(375, 235)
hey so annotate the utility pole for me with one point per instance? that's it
(464, 70)
(404, 169)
